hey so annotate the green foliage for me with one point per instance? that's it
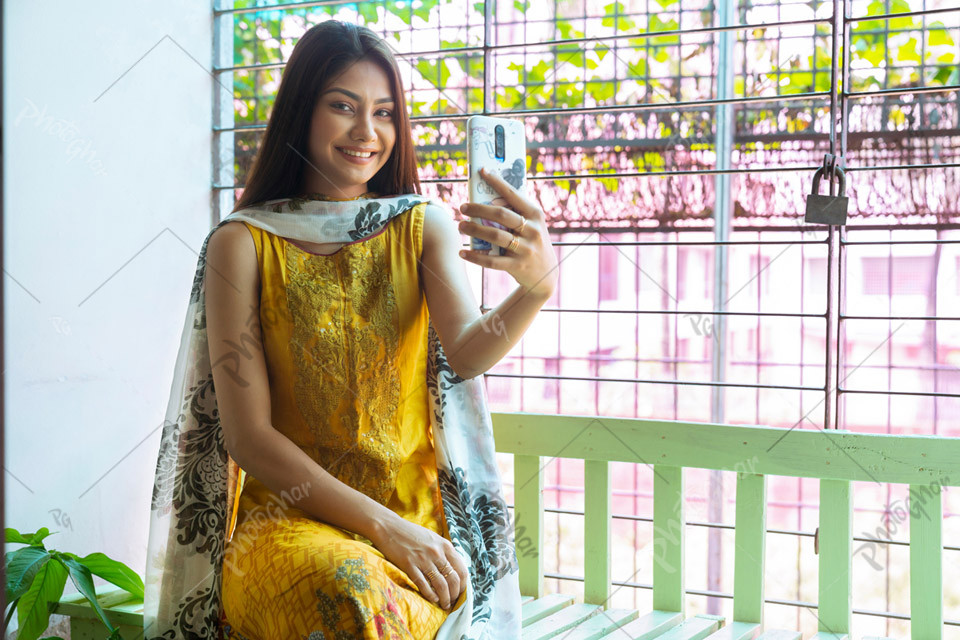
(36, 577)
(883, 53)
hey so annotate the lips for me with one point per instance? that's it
(358, 153)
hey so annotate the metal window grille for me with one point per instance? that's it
(683, 136)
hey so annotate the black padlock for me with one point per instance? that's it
(827, 209)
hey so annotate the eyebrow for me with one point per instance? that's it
(350, 94)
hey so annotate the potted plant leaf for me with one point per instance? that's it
(36, 577)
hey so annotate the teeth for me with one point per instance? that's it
(357, 153)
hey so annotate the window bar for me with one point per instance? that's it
(721, 228)
(223, 117)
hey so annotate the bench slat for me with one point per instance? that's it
(780, 634)
(596, 532)
(647, 627)
(668, 525)
(751, 527)
(120, 606)
(557, 623)
(696, 628)
(836, 539)
(601, 624)
(737, 631)
(926, 571)
(543, 607)
(528, 521)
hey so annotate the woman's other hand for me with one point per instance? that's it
(417, 551)
(532, 262)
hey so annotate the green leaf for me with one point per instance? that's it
(538, 72)
(875, 54)
(942, 77)
(601, 90)
(938, 35)
(567, 32)
(435, 73)
(521, 5)
(22, 567)
(113, 571)
(656, 24)
(33, 608)
(902, 6)
(613, 15)
(83, 580)
(638, 69)
(907, 52)
(423, 11)
(12, 535)
(369, 12)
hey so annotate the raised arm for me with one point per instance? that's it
(472, 342)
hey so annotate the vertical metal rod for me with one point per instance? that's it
(844, 90)
(834, 247)
(721, 232)
(837, 28)
(222, 200)
(487, 55)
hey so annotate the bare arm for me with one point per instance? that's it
(472, 342)
(243, 393)
(243, 399)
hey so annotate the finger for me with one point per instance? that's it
(439, 585)
(486, 260)
(453, 588)
(424, 585)
(460, 567)
(496, 235)
(493, 212)
(517, 201)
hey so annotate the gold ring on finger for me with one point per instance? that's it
(432, 574)
(447, 570)
(523, 223)
(514, 243)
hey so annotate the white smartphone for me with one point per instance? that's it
(498, 145)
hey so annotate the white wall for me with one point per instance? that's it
(106, 202)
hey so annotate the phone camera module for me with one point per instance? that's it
(499, 152)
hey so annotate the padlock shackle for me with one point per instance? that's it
(837, 171)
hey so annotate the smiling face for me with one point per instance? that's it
(352, 132)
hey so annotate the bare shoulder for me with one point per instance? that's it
(230, 237)
(439, 230)
(231, 248)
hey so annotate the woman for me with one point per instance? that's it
(344, 350)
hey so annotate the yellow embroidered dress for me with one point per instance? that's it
(345, 341)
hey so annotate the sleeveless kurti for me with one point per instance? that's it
(345, 341)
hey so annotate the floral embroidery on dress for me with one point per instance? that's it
(346, 334)
(352, 577)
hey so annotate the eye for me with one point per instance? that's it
(386, 112)
(337, 105)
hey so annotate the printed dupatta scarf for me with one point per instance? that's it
(196, 483)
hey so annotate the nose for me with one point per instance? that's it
(363, 128)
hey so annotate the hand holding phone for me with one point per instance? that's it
(499, 146)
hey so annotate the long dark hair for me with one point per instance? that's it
(322, 54)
